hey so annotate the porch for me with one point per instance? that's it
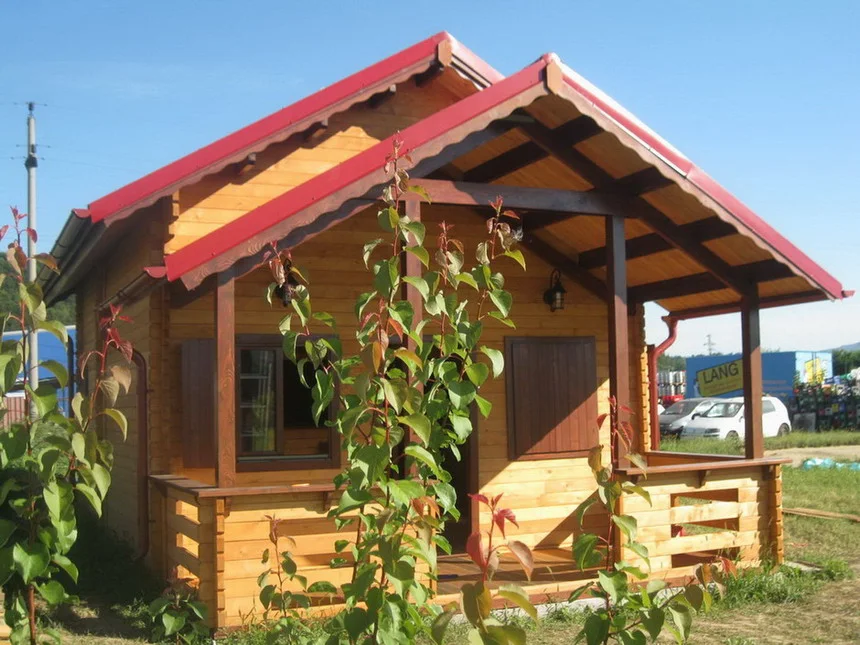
(702, 506)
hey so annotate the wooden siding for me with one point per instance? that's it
(111, 274)
(223, 197)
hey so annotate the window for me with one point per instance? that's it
(274, 419)
(723, 410)
(551, 396)
(767, 406)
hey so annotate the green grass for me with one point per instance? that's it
(814, 540)
(704, 445)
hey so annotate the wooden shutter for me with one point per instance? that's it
(198, 403)
(552, 396)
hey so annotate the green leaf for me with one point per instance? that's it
(321, 586)
(502, 319)
(510, 634)
(519, 597)
(497, 360)
(173, 622)
(352, 499)
(91, 496)
(683, 619)
(45, 398)
(57, 369)
(517, 256)
(503, 301)
(388, 219)
(66, 565)
(422, 455)
(368, 249)
(395, 392)
(419, 252)
(440, 625)
(79, 409)
(462, 426)
(627, 524)
(7, 528)
(199, 609)
(52, 591)
(634, 637)
(446, 494)
(120, 420)
(110, 389)
(420, 285)
(420, 425)
(466, 278)
(101, 475)
(477, 373)
(7, 565)
(637, 460)
(585, 553)
(653, 620)
(638, 490)
(417, 229)
(403, 491)
(484, 406)
(596, 629)
(639, 549)
(615, 584)
(461, 394)
(30, 560)
(56, 328)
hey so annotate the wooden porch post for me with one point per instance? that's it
(751, 348)
(225, 362)
(616, 283)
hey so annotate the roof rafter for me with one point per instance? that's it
(664, 226)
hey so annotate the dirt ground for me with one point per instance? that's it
(797, 455)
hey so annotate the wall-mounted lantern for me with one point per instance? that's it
(554, 296)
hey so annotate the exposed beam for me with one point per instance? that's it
(641, 182)
(225, 372)
(752, 376)
(572, 132)
(378, 99)
(432, 72)
(571, 202)
(703, 230)
(656, 219)
(801, 297)
(688, 285)
(619, 339)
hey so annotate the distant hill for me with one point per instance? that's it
(853, 347)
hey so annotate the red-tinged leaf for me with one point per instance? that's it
(626, 409)
(476, 551)
(728, 566)
(3, 230)
(18, 215)
(31, 233)
(497, 203)
(396, 327)
(612, 402)
(511, 214)
(524, 555)
(127, 350)
(478, 497)
(496, 499)
(500, 515)
(14, 210)
(601, 420)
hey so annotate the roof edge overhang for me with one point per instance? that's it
(441, 50)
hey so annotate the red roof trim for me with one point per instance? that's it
(205, 160)
(701, 180)
(260, 219)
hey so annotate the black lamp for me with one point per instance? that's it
(554, 296)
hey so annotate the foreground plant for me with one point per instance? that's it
(632, 614)
(177, 616)
(48, 459)
(402, 404)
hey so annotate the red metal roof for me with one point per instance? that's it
(342, 94)
(280, 125)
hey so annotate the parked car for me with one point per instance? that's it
(676, 416)
(725, 419)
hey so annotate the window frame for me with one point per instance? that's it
(276, 460)
(510, 406)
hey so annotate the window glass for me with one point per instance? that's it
(723, 410)
(275, 409)
(681, 408)
(257, 404)
(767, 406)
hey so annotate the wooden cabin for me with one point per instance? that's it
(220, 431)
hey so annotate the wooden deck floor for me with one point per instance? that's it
(551, 565)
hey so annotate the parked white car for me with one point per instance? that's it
(675, 418)
(725, 419)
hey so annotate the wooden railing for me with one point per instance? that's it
(704, 506)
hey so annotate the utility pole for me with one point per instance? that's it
(709, 344)
(30, 163)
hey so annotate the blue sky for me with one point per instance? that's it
(764, 96)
